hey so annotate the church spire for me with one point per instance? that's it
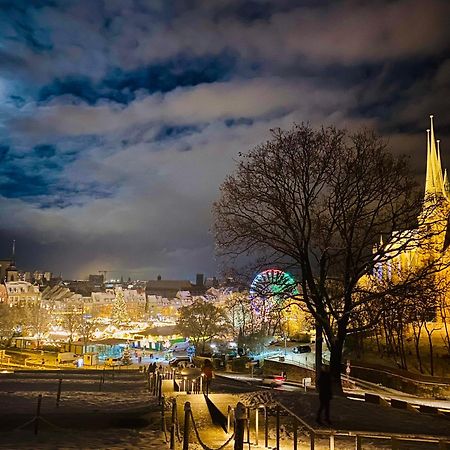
(446, 184)
(434, 184)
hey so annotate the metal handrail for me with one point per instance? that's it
(369, 434)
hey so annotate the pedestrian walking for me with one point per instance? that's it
(325, 394)
(207, 371)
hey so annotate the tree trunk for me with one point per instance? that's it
(430, 344)
(336, 365)
(417, 332)
(318, 354)
(380, 352)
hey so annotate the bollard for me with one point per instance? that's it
(266, 428)
(187, 413)
(160, 396)
(58, 395)
(173, 424)
(38, 414)
(239, 426)
(163, 416)
(278, 428)
(229, 418)
(155, 383)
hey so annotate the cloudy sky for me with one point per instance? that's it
(120, 118)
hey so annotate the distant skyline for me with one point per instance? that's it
(120, 118)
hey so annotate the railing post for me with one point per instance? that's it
(358, 442)
(277, 446)
(248, 425)
(295, 425)
(312, 439)
(239, 426)
(331, 441)
(266, 427)
(38, 414)
(58, 395)
(395, 444)
(256, 425)
(173, 424)
(229, 418)
(187, 413)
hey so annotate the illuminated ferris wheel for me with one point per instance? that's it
(270, 288)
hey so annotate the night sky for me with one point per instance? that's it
(120, 118)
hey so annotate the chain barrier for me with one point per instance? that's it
(203, 445)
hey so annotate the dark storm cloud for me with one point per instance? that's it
(120, 118)
(121, 86)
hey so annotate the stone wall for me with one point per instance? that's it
(402, 383)
(293, 372)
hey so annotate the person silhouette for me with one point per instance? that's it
(325, 394)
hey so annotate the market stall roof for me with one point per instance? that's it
(109, 341)
(160, 331)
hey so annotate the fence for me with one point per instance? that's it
(244, 428)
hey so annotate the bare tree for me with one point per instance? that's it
(318, 201)
(201, 322)
(72, 318)
(38, 319)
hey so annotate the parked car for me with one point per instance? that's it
(180, 361)
(302, 349)
(273, 380)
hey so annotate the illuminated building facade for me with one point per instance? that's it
(409, 248)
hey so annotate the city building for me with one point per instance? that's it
(5, 264)
(167, 288)
(22, 293)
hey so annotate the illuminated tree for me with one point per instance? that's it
(126, 356)
(72, 319)
(201, 322)
(119, 311)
